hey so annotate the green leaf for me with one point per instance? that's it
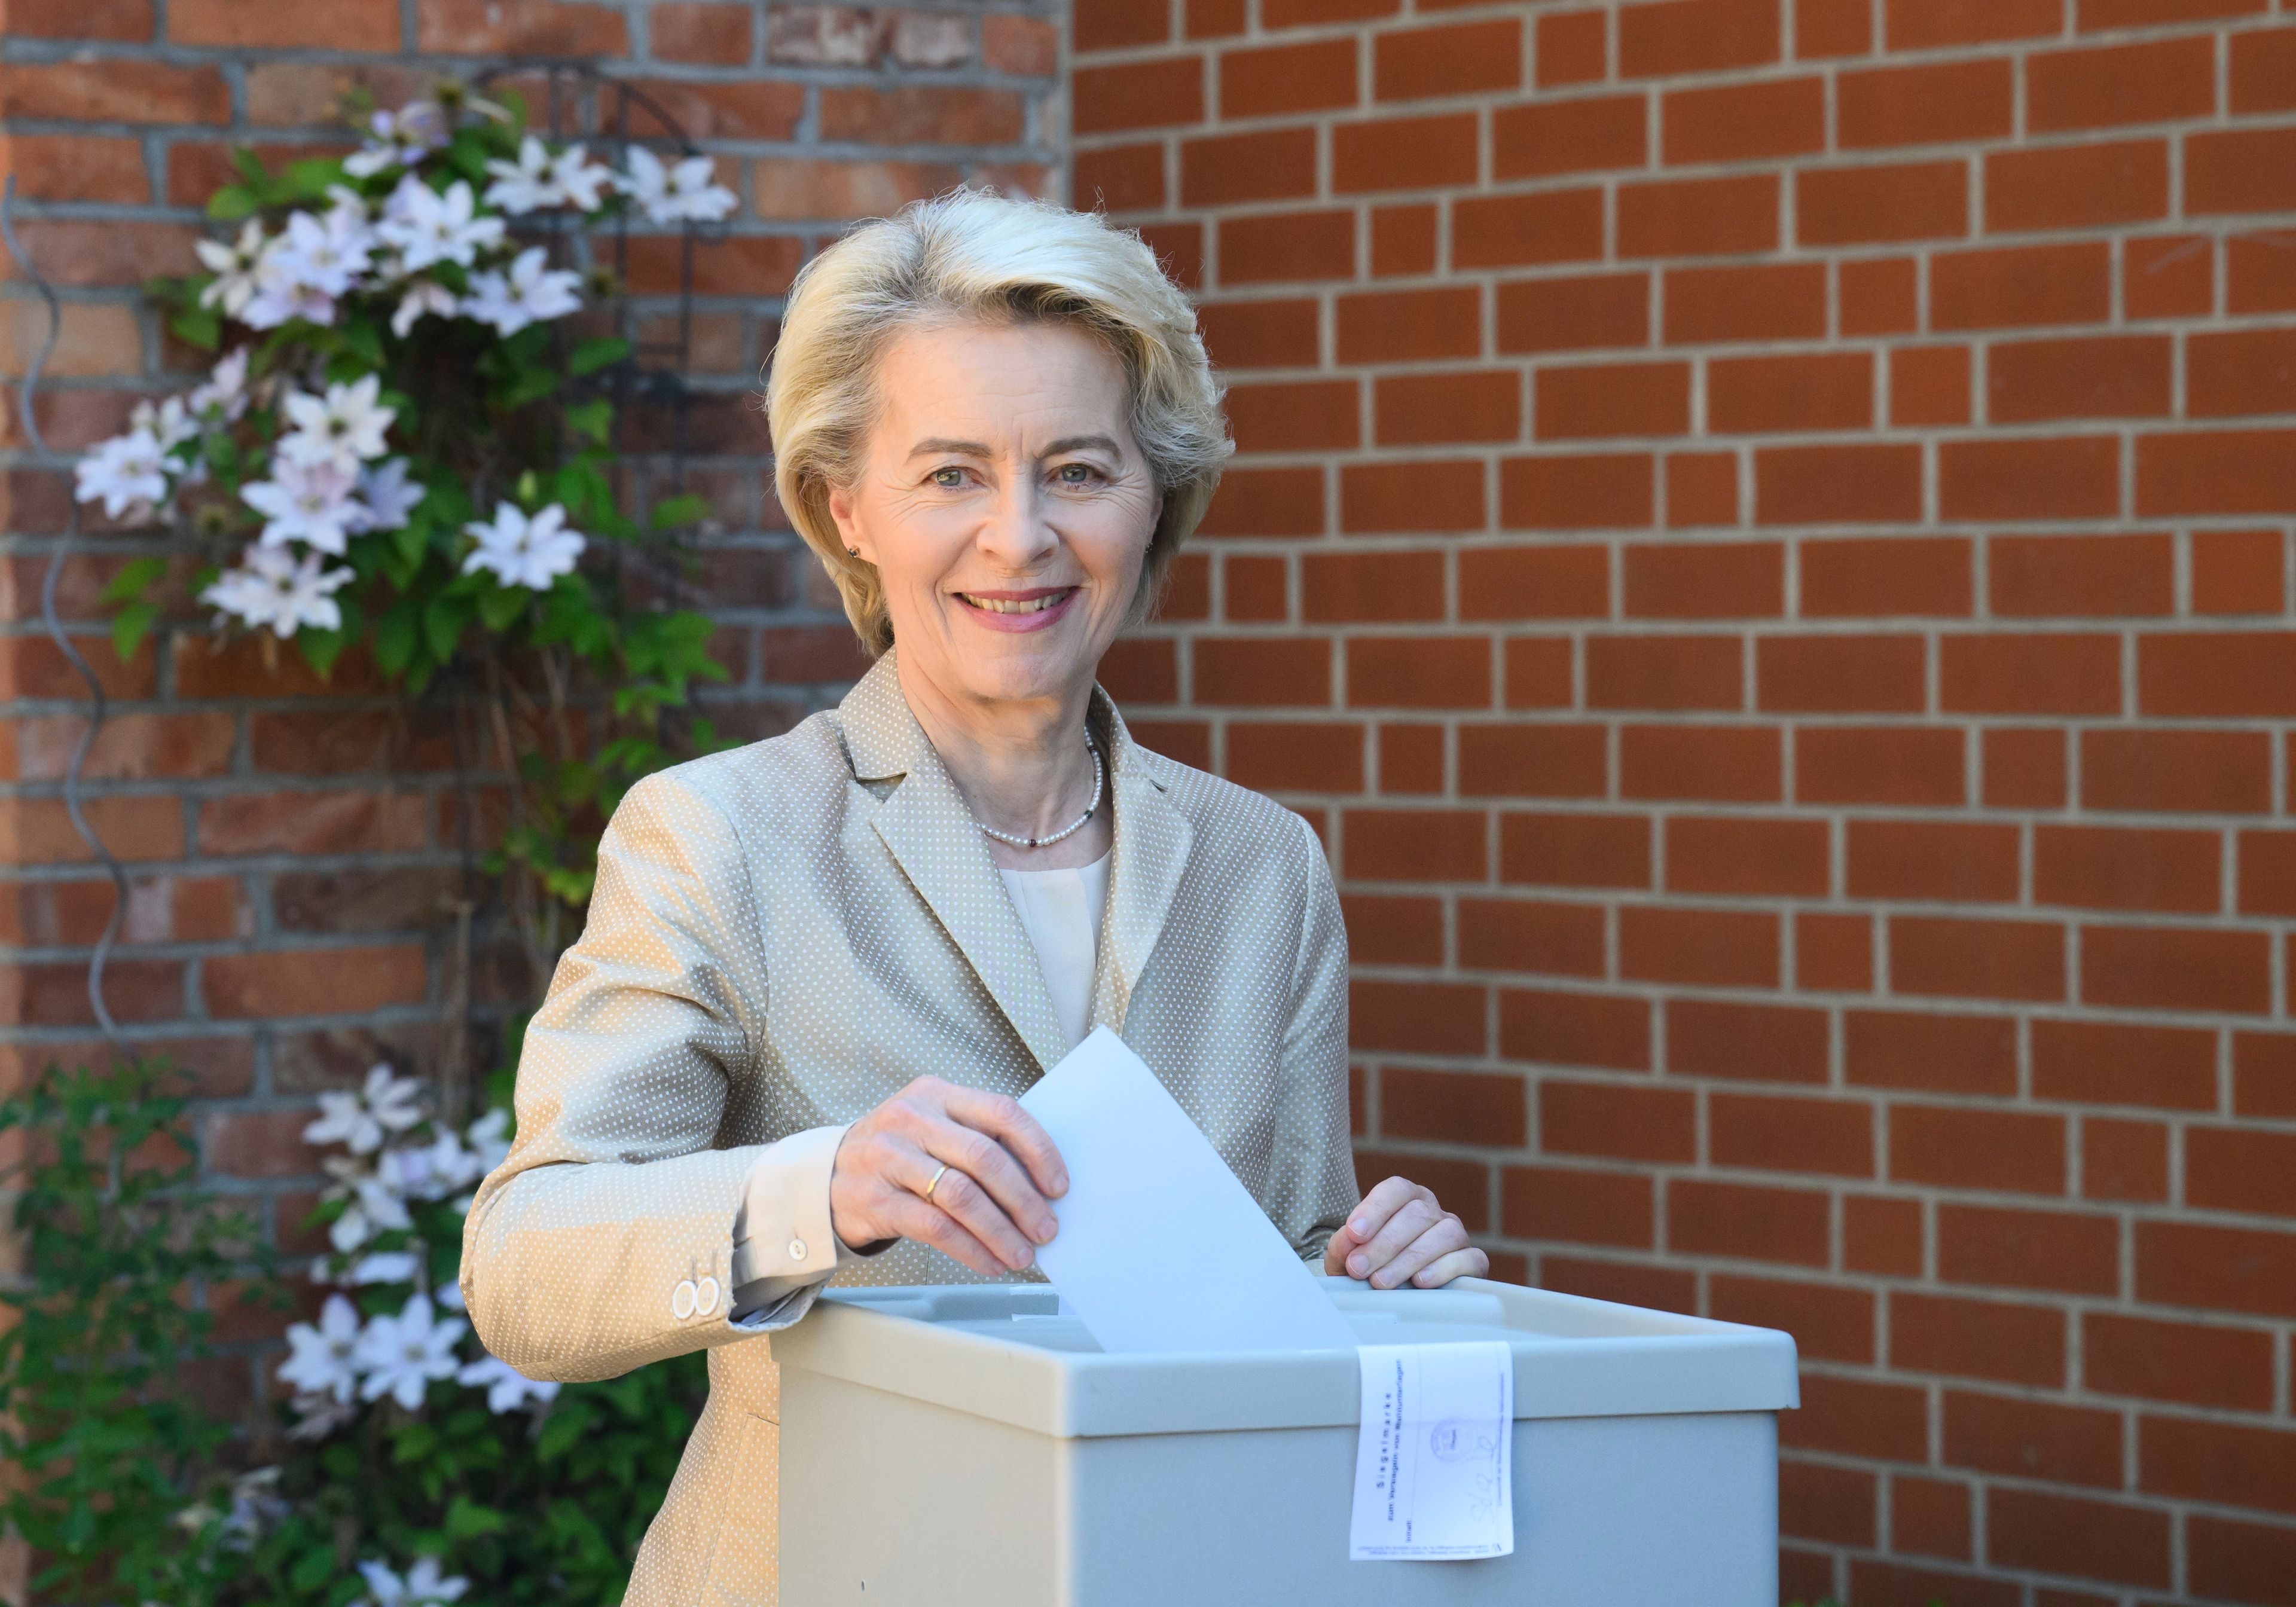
(364, 342)
(313, 1569)
(466, 1519)
(528, 385)
(443, 621)
(199, 326)
(594, 418)
(233, 202)
(250, 166)
(130, 626)
(592, 356)
(134, 579)
(499, 607)
(310, 178)
(673, 512)
(322, 648)
(396, 637)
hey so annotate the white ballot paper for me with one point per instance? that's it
(1433, 1461)
(1160, 1247)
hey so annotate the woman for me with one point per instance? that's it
(817, 970)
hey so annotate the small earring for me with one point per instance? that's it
(853, 551)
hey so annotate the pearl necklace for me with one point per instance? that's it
(1099, 776)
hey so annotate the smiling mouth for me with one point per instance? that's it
(1031, 602)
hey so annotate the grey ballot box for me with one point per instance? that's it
(966, 1446)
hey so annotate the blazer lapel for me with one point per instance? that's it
(1153, 838)
(928, 830)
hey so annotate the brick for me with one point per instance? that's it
(2022, 285)
(2175, 770)
(1403, 153)
(2230, 472)
(1289, 755)
(2024, 768)
(1841, 674)
(1758, 301)
(2239, 171)
(1537, 139)
(1538, 673)
(2088, 1539)
(1371, 585)
(130, 747)
(2109, 867)
(1858, 1417)
(1942, 955)
(1281, 79)
(114, 91)
(1569, 47)
(79, 167)
(1988, 1338)
(2216, 1268)
(1831, 27)
(2240, 1170)
(498, 28)
(1931, 24)
(1819, 1501)
(1577, 1205)
(1743, 122)
(1929, 1517)
(2071, 478)
(1025, 46)
(2263, 76)
(1712, 581)
(1730, 854)
(1747, 1222)
(1933, 104)
(2023, 1438)
(1392, 326)
(1871, 577)
(1833, 953)
(2123, 1063)
(2124, 1160)
(1745, 1043)
(1411, 496)
(1526, 935)
(1301, 14)
(325, 981)
(1463, 58)
(2239, 1561)
(1566, 314)
(1545, 582)
(719, 35)
(329, 25)
(1932, 860)
(1882, 1235)
(1576, 492)
(1418, 1018)
(2238, 572)
(1653, 1288)
(1879, 764)
(124, 19)
(1784, 1133)
(798, 188)
(1867, 205)
(2168, 276)
(1295, 415)
(2076, 186)
(1439, 408)
(1664, 672)
(1418, 672)
(1403, 241)
(2154, 81)
(1828, 390)
(2264, 1074)
(1584, 1029)
(1838, 484)
(2066, 1252)
(1514, 231)
(1697, 36)
(1287, 246)
(761, 108)
(1156, 93)
(1880, 296)
(2165, 967)
(1268, 164)
(1532, 760)
(1241, 670)
(1115, 25)
(2211, 1366)
(2267, 872)
(1719, 764)
(1828, 1323)
(2001, 673)
(1929, 385)
(1415, 845)
(2116, 377)
(1698, 947)
(919, 114)
(1702, 488)
(1615, 1120)
(1944, 1146)
(2081, 577)
(2227, 378)
(2097, 14)
(37, 831)
(1698, 217)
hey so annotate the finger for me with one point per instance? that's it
(1468, 1263)
(1413, 1218)
(1441, 1237)
(913, 1218)
(959, 1195)
(1371, 1214)
(1004, 1119)
(990, 1165)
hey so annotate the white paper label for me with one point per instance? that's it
(1434, 1457)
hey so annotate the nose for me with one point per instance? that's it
(1016, 535)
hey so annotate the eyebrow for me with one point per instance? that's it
(1067, 443)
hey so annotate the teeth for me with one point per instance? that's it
(1002, 605)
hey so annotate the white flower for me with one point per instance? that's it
(310, 503)
(319, 1359)
(361, 1121)
(170, 422)
(387, 497)
(386, 1267)
(527, 185)
(316, 1416)
(375, 1208)
(490, 1138)
(507, 1389)
(234, 268)
(581, 181)
(280, 297)
(686, 192)
(449, 1295)
(225, 388)
(424, 1586)
(423, 297)
(270, 588)
(529, 293)
(325, 254)
(428, 227)
(428, 1171)
(127, 472)
(398, 139)
(400, 1355)
(346, 427)
(525, 552)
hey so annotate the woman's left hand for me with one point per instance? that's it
(1399, 1232)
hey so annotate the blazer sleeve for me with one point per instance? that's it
(605, 1238)
(1314, 1155)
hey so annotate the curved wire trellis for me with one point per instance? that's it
(654, 374)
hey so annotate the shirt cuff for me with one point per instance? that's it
(783, 1236)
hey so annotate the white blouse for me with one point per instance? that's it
(1061, 910)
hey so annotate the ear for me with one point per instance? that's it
(847, 518)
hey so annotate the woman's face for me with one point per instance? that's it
(1005, 505)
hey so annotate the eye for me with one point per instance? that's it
(1077, 474)
(951, 478)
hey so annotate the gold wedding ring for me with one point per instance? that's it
(935, 1183)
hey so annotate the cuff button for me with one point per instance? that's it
(705, 1297)
(681, 1300)
(797, 1249)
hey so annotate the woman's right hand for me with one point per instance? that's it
(989, 1208)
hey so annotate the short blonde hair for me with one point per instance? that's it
(974, 254)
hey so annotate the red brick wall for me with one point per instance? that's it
(1762, 537)
(293, 843)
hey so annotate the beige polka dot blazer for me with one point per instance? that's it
(785, 935)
